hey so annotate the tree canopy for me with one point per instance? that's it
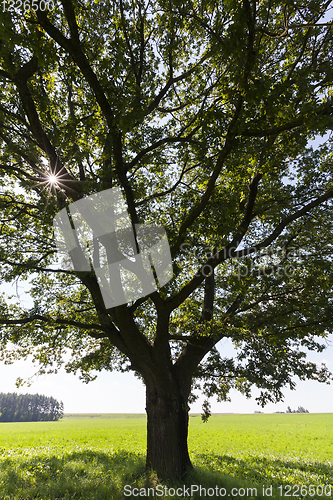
(201, 113)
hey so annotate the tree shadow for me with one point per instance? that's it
(259, 467)
(267, 471)
(98, 475)
(86, 474)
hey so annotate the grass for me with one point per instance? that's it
(88, 416)
(94, 457)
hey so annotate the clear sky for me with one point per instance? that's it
(123, 393)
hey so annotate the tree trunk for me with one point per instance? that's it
(167, 431)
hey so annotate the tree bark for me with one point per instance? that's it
(167, 431)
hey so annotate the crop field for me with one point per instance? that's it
(102, 457)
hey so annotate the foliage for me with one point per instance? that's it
(95, 457)
(29, 408)
(201, 112)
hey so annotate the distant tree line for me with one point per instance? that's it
(29, 408)
(300, 409)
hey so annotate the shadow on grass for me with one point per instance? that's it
(84, 474)
(264, 472)
(262, 469)
(96, 475)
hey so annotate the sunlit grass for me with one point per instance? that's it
(94, 458)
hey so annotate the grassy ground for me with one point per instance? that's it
(89, 416)
(94, 457)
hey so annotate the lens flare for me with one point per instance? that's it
(52, 180)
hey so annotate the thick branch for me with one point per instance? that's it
(133, 62)
(72, 47)
(198, 209)
(57, 321)
(41, 137)
(231, 133)
(226, 253)
(283, 224)
(70, 16)
(36, 268)
(209, 292)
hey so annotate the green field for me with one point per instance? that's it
(95, 456)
